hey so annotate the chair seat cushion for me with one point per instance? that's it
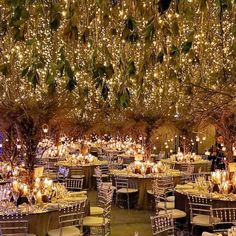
(175, 213)
(94, 221)
(66, 231)
(127, 190)
(166, 205)
(204, 220)
(170, 198)
(96, 211)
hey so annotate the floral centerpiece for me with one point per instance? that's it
(147, 167)
(180, 157)
(81, 159)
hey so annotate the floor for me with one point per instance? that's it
(127, 222)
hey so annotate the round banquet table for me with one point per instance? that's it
(41, 223)
(182, 203)
(143, 184)
(204, 165)
(88, 172)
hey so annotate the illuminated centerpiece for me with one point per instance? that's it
(190, 157)
(147, 167)
(223, 182)
(41, 190)
(81, 159)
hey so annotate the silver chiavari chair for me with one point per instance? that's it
(162, 188)
(74, 184)
(14, 225)
(76, 172)
(187, 172)
(223, 219)
(70, 220)
(99, 178)
(124, 187)
(200, 211)
(100, 225)
(102, 171)
(162, 224)
(105, 192)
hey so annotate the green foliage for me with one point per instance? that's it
(100, 71)
(149, 30)
(186, 46)
(66, 69)
(55, 16)
(32, 74)
(130, 33)
(131, 68)
(51, 81)
(123, 98)
(174, 51)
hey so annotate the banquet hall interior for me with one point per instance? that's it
(117, 117)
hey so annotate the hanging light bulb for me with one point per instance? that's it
(45, 128)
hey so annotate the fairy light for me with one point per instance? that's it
(155, 85)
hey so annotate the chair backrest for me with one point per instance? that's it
(105, 201)
(14, 225)
(76, 170)
(223, 217)
(162, 224)
(209, 164)
(98, 171)
(121, 182)
(164, 183)
(199, 206)
(187, 168)
(104, 169)
(74, 184)
(72, 215)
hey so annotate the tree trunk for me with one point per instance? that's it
(148, 144)
(29, 134)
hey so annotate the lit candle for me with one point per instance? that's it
(25, 190)
(38, 197)
(15, 186)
